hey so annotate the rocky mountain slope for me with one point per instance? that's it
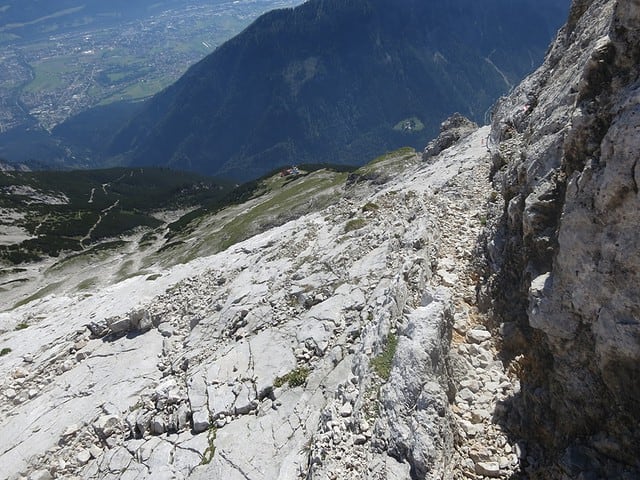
(469, 314)
(341, 81)
(301, 352)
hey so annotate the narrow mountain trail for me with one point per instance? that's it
(103, 214)
(481, 446)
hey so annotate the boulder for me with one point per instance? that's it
(118, 324)
(453, 129)
(107, 425)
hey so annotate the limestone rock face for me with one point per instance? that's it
(350, 342)
(417, 420)
(313, 350)
(565, 256)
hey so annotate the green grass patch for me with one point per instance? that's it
(401, 152)
(409, 125)
(284, 189)
(382, 363)
(281, 203)
(39, 294)
(126, 269)
(390, 163)
(49, 74)
(5, 351)
(87, 284)
(295, 378)
(355, 224)
(22, 326)
(208, 454)
(370, 207)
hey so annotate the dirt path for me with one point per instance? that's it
(104, 213)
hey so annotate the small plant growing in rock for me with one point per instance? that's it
(483, 220)
(382, 363)
(295, 378)
(354, 224)
(207, 456)
(5, 351)
(370, 207)
(22, 326)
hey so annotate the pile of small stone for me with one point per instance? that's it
(483, 449)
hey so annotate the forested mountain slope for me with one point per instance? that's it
(340, 82)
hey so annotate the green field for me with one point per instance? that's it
(52, 74)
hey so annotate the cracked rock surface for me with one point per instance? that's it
(268, 360)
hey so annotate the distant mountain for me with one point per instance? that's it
(339, 81)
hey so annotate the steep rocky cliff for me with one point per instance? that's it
(564, 252)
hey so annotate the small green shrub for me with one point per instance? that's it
(22, 326)
(5, 351)
(207, 456)
(382, 363)
(295, 378)
(483, 220)
(354, 224)
(370, 207)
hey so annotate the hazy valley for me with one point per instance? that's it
(61, 60)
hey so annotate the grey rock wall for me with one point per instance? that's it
(564, 254)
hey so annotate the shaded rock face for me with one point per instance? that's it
(565, 147)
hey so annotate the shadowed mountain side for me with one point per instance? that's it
(340, 82)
